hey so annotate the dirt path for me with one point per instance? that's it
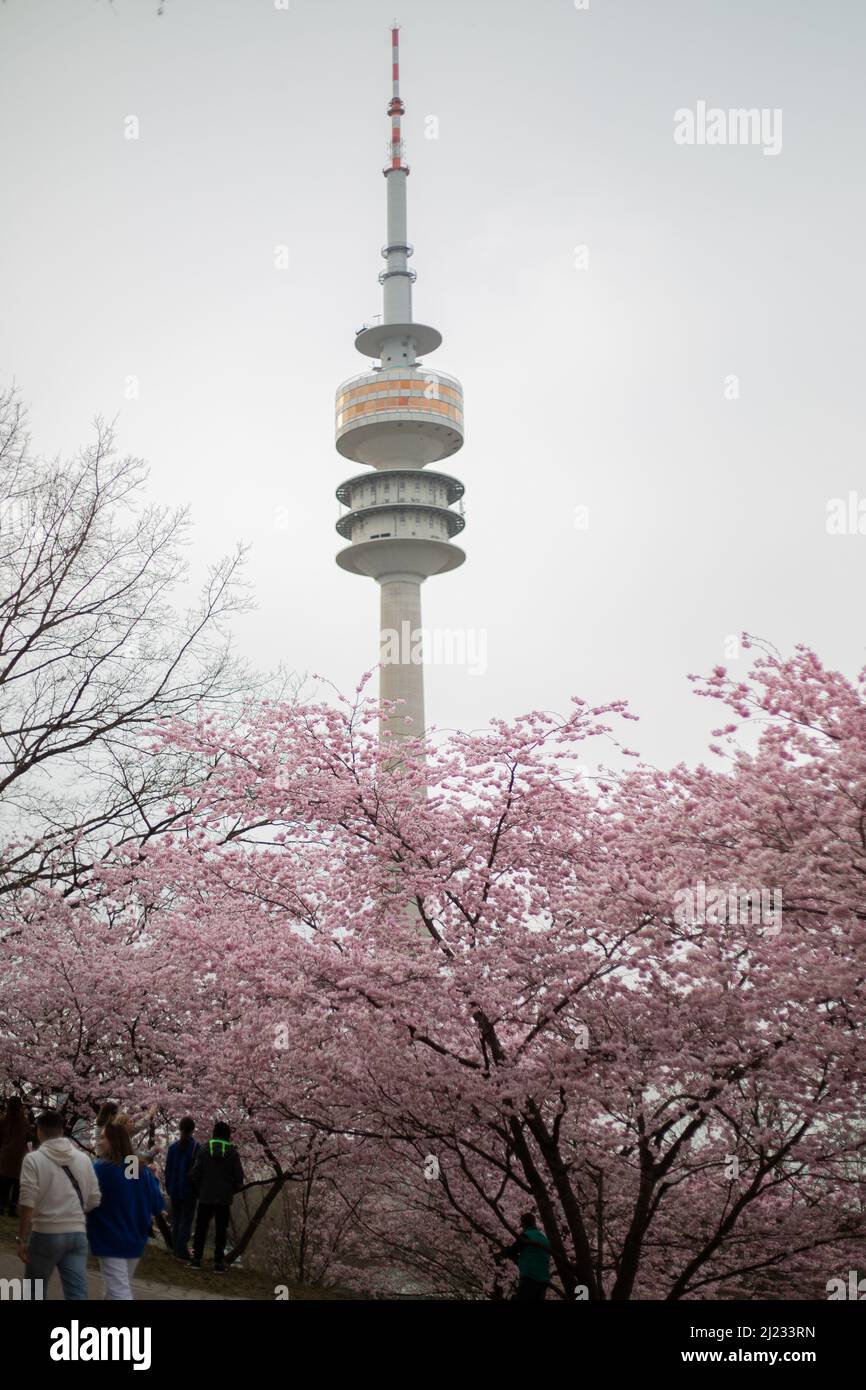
(143, 1289)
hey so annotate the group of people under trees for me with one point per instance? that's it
(69, 1205)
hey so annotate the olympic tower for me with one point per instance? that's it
(399, 418)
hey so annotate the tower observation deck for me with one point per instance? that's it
(397, 418)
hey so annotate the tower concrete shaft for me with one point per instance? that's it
(397, 418)
(402, 673)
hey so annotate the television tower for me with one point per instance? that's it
(397, 418)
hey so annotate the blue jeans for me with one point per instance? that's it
(62, 1250)
(182, 1213)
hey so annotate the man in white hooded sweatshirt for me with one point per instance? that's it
(58, 1187)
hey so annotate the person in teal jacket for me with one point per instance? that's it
(531, 1254)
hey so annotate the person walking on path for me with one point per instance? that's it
(120, 1226)
(58, 1190)
(215, 1176)
(14, 1137)
(111, 1113)
(178, 1162)
(531, 1253)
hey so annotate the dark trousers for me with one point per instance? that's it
(220, 1213)
(9, 1190)
(530, 1289)
(182, 1213)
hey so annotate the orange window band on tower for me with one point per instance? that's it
(418, 405)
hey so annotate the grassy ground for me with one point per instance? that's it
(159, 1267)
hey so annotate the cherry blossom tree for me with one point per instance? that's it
(436, 989)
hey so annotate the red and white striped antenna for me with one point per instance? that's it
(396, 109)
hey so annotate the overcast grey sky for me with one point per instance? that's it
(601, 387)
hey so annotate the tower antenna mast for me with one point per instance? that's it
(396, 110)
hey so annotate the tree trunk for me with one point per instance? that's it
(546, 1209)
(568, 1201)
(633, 1244)
(254, 1223)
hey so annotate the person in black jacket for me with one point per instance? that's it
(215, 1176)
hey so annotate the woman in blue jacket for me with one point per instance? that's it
(119, 1227)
